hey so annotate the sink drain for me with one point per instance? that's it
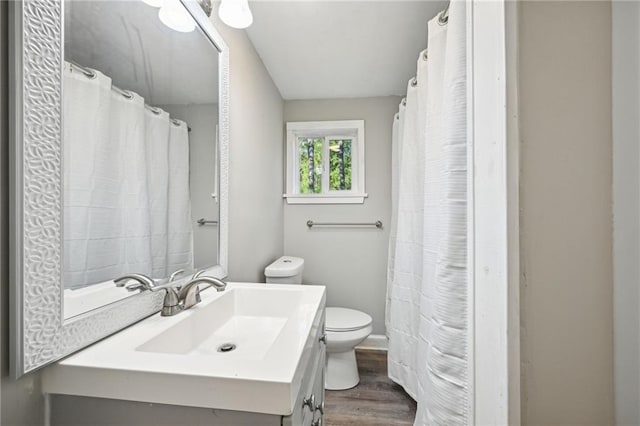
(226, 347)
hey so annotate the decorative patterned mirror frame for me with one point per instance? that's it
(39, 333)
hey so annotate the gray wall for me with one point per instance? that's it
(626, 198)
(21, 403)
(202, 120)
(352, 263)
(256, 161)
(566, 220)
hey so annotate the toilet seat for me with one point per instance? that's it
(343, 319)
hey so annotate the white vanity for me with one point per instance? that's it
(253, 353)
(137, 208)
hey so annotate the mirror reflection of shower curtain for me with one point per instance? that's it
(91, 252)
(427, 276)
(180, 231)
(133, 238)
(117, 174)
(157, 137)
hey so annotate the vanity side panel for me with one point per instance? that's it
(67, 410)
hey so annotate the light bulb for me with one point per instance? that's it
(235, 13)
(175, 16)
(153, 3)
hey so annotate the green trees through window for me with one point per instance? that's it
(312, 165)
(310, 152)
(340, 165)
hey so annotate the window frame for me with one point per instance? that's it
(328, 130)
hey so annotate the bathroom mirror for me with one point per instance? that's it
(120, 133)
(140, 113)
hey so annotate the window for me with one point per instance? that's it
(325, 162)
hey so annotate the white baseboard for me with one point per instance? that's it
(375, 342)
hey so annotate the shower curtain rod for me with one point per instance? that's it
(91, 74)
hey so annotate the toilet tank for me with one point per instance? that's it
(285, 270)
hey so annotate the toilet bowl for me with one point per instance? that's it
(345, 328)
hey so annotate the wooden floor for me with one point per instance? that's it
(376, 401)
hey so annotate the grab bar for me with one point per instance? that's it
(203, 221)
(377, 224)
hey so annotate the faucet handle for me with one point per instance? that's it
(171, 304)
(192, 297)
(173, 276)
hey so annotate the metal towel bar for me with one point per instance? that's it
(203, 221)
(377, 224)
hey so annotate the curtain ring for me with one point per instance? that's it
(89, 73)
(414, 82)
(424, 55)
(443, 18)
(404, 101)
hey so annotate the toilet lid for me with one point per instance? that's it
(343, 319)
(286, 266)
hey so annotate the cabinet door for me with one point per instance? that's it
(304, 411)
(318, 389)
(313, 414)
(312, 388)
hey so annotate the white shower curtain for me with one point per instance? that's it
(90, 185)
(157, 138)
(120, 161)
(427, 286)
(180, 234)
(127, 155)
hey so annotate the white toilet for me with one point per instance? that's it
(345, 328)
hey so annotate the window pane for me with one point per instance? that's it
(340, 164)
(310, 160)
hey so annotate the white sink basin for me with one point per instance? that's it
(176, 360)
(252, 319)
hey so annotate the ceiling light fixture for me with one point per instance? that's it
(174, 15)
(235, 13)
(153, 3)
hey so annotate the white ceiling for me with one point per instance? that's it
(126, 41)
(341, 49)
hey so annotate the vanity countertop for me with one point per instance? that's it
(175, 360)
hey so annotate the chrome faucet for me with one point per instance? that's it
(170, 305)
(199, 273)
(196, 275)
(142, 282)
(190, 293)
(175, 300)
